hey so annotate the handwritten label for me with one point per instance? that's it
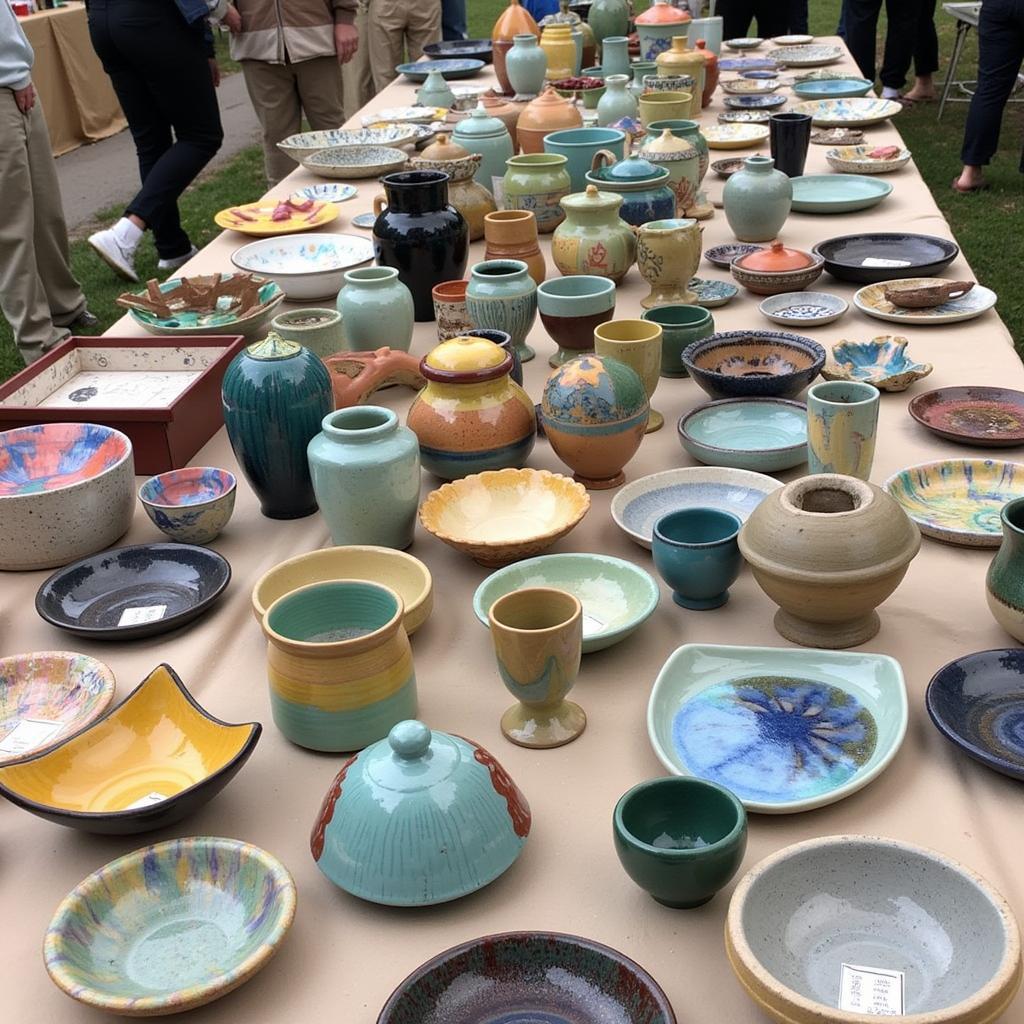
(871, 990)
(145, 613)
(878, 261)
(146, 801)
(592, 625)
(28, 734)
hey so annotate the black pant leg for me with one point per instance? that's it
(926, 44)
(772, 18)
(736, 18)
(900, 41)
(861, 23)
(798, 17)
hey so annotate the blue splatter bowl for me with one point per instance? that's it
(190, 505)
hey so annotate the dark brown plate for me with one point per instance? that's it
(982, 416)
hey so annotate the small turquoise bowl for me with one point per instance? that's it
(833, 89)
(696, 553)
(190, 505)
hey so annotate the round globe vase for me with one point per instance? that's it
(1004, 582)
(537, 634)
(376, 309)
(637, 343)
(501, 294)
(538, 182)
(680, 327)
(757, 200)
(514, 20)
(526, 65)
(667, 255)
(512, 235)
(696, 554)
(571, 308)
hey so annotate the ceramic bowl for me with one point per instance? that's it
(404, 115)
(754, 102)
(47, 696)
(750, 86)
(135, 591)
(871, 300)
(806, 56)
(803, 309)
(473, 49)
(618, 597)
(832, 88)
(305, 266)
(504, 515)
(885, 256)
(852, 113)
(775, 282)
(754, 364)
(449, 68)
(355, 162)
(882, 361)
(554, 977)
(727, 168)
(735, 136)
(170, 927)
(763, 76)
(723, 255)
(148, 763)
(857, 160)
(785, 729)
(744, 43)
(305, 144)
(190, 505)
(837, 193)
(800, 914)
(766, 435)
(66, 490)
(329, 192)
(986, 417)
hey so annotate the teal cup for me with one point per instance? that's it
(842, 422)
(680, 839)
(696, 554)
(579, 145)
(680, 325)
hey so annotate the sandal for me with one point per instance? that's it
(983, 187)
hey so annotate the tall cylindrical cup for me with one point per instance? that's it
(790, 136)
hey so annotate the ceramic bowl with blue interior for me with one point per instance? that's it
(832, 89)
(766, 435)
(882, 361)
(191, 505)
(785, 729)
(305, 144)
(770, 102)
(355, 161)
(450, 69)
(170, 927)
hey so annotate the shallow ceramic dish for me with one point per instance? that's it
(803, 309)
(750, 86)
(777, 282)
(364, 221)
(727, 168)
(501, 516)
(857, 160)
(801, 913)
(47, 696)
(747, 64)
(753, 103)
(407, 576)
(528, 977)
(806, 56)
(355, 161)
(723, 255)
(734, 136)
(837, 136)
(135, 591)
(784, 729)
(837, 193)
(305, 144)
(882, 361)
(305, 266)
(467, 49)
(744, 117)
(423, 133)
(885, 256)
(744, 43)
(66, 490)
(449, 69)
(871, 300)
(404, 115)
(329, 192)
(958, 500)
(190, 505)
(618, 597)
(170, 927)
(832, 88)
(763, 76)
(982, 416)
(258, 218)
(149, 762)
(640, 504)
(766, 435)
(977, 702)
(712, 294)
(852, 113)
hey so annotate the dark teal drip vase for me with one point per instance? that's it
(275, 395)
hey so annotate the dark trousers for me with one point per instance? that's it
(860, 20)
(1000, 52)
(798, 17)
(159, 69)
(772, 17)
(453, 19)
(926, 43)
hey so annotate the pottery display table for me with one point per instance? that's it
(344, 956)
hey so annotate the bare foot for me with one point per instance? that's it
(970, 180)
(920, 96)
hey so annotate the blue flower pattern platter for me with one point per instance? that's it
(883, 361)
(459, 67)
(754, 102)
(329, 192)
(712, 294)
(745, 117)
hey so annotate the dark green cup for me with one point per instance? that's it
(680, 326)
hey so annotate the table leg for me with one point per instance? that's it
(962, 29)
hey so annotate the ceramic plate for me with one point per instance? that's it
(135, 591)
(852, 113)
(871, 300)
(754, 102)
(821, 75)
(723, 255)
(451, 68)
(832, 88)
(808, 56)
(330, 192)
(837, 136)
(857, 160)
(885, 256)
(640, 504)
(761, 76)
(744, 43)
(958, 500)
(837, 193)
(803, 309)
(364, 221)
(977, 702)
(727, 168)
(355, 162)
(744, 117)
(471, 49)
(983, 416)
(750, 86)
(257, 218)
(325, 256)
(422, 133)
(617, 596)
(784, 729)
(882, 361)
(734, 136)
(747, 64)
(404, 115)
(793, 40)
(712, 294)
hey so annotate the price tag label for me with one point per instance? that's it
(878, 261)
(592, 625)
(872, 990)
(28, 734)
(145, 613)
(146, 801)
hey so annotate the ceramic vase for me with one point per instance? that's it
(617, 102)
(711, 72)
(578, 44)
(667, 254)
(538, 182)
(377, 309)
(512, 235)
(690, 131)
(828, 549)
(696, 554)
(683, 163)
(757, 200)
(526, 65)
(502, 294)
(548, 113)
(465, 193)
(514, 20)
(640, 69)
(680, 327)
(578, 146)
(450, 309)
(637, 344)
(435, 92)
(420, 234)
(643, 186)
(339, 664)
(842, 421)
(571, 308)
(615, 55)
(537, 634)
(608, 18)
(556, 42)
(594, 413)
(1004, 583)
(593, 239)
(679, 60)
(488, 137)
(275, 395)
(319, 330)
(365, 468)
(656, 27)
(471, 416)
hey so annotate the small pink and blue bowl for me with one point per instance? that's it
(190, 505)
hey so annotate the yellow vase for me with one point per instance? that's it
(678, 60)
(637, 343)
(556, 42)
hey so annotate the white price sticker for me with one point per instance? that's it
(28, 734)
(146, 801)
(878, 261)
(592, 625)
(145, 613)
(871, 990)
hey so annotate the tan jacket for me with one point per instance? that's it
(292, 30)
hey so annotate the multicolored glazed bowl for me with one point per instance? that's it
(882, 361)
(190, 505)
(170, 927)
(306, 266)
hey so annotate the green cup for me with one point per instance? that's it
(680, 325)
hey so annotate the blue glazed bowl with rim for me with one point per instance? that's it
(696, 553)
(832, 89)
(190, 505)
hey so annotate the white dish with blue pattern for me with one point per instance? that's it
(305, 144)
(803, 309)
(329, 192)
(305, 266)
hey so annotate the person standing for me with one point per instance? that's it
(39, 295)
(926, 57)
(453, 19)
(798, 17)
(772, 17)
(860, 21)
(159, 57)
(399, 29)
(356, 76)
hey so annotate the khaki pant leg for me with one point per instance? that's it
(356, 74)
(320, 92)
(387, 38)
(275, 98)
(423, 27)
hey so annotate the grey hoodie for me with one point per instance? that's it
(16, 56)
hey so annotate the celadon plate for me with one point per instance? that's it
(784, 729)
(617, 596)
(837, 193)
(763, 434)
(871, 300)
(734, 136)
(958, 500)
(857, 112)
(170, 927)
(832, 88)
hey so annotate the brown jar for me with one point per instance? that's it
(512, 234)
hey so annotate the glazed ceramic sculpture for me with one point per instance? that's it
(683, 162)
(419, 818)
(571, 308)
(757, 200)
(656, 27)
(512, 235)
(355, 376)
(538, 182)
(637, 343)
(842, 421)
(594, 239)
(1004, 584)
(471, 416)
(465, 193)
(617, 102)
(526, 65)
(514, 20)
(549, 112)
(377, 309)
(275, 395)
(642, 185)
(502, 295)
(487, 136)
(828, 550)
(667, 255)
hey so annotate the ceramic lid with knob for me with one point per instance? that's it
(479, 125)
(421, 817)
(442, 148)
(465, 360)
(776, 258)
(591, 199)
(661, 12)
(632, 172)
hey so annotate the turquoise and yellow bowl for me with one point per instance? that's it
(170, 927)
(190, 505)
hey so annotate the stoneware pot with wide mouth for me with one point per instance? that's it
(696, 554)
(776, 269)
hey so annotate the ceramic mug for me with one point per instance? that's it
(580, 145)
(842, 423)
(637, 343)
(668, 106)
(450, 309)
(696, 553)
(538, 641)
(319, 330)
(571, 308)
(680, 326)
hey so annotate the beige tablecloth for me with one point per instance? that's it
(344, 956)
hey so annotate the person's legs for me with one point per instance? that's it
(900, 40)
(772, 18)
(860, 18)
(387, 39)
(798, 17)
(926, 55)
(320, 92)
(423, 27)
(736, 18)
(356, 77)
(274, 94)
(453, 19)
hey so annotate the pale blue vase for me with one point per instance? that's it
(617, 102)
(615, 56)
(757, 200)
(376, 310)
(501, 294)
(526, 64)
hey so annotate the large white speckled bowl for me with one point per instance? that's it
(67, 490)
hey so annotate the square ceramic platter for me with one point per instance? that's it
(837, 193)
(784, 729)
(858, 112)
(810, 56)
(871, 300)
(735, 136)
(456, 67)
(640, 504)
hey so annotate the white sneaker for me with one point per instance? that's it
(114, 254)
(177, 261)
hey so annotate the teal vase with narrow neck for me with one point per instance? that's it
(617, 102)
(1004, 584)
(615, 56)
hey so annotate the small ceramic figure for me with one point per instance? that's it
(355, 376)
